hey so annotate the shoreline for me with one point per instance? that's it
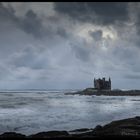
(120, 128)
(92, 91)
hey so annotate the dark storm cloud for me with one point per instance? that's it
(138, 25)
(96, 35)
(7, 14)
(105, 13)
(32, 24)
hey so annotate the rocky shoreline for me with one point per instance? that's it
(121, 128)
(92, 91)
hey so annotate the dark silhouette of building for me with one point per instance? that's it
(102, 84)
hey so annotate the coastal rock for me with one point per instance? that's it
(122, 128)
(50, 134)
(98, 128)
(125, 128)
(80, 130)
(92, 91)
(12, 135)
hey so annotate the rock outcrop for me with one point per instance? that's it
(92, 91)
(50, 134)
(12, 135)
(122, 128)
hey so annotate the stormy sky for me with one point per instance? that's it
(65, 45)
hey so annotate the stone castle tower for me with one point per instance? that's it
(102, 84)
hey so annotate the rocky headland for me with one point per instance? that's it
(92, 91)
(121, 128)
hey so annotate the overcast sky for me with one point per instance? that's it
(66, 45)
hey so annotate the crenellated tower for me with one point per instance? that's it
(102, 84)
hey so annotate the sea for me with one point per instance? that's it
(32, 111)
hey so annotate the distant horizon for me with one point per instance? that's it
(35, 89)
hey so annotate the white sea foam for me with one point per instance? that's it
(32, 112)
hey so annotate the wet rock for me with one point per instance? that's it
(92, 91)
(50, 134)
(98, 128)
(137, 117)
(122, 128)
(80, 130)
(12, 135)
(126, 127)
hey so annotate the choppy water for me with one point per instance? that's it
(32, 112)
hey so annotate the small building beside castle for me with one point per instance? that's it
(102, 84)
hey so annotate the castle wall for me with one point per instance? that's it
(102, 84)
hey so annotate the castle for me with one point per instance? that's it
(102, 84)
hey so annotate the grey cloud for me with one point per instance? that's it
(128, 55)
(81, 52)
(105, 13)
(4, 72)
(138, 26)
(97, 35)
(132, 76)
(28, 58)
(32, 24)
(135, 66)
(134, 9)
(62, 32)
(6, 13)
